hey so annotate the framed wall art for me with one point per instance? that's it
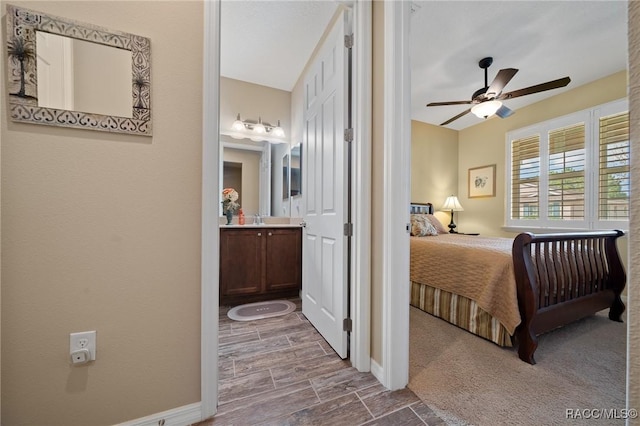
(482, 181)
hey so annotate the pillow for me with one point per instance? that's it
(437, 224)
(421, 226)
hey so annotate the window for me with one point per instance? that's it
(567, 173)
(571, 172)
(613, 167)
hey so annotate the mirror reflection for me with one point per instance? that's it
(257, 171)
(296, 170)
(285, 177)
(78, 75)
(244, 168)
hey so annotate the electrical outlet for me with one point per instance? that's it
(82, 346)
(80, 356)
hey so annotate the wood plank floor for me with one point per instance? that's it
(280, 371)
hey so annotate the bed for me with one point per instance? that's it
(510, 291)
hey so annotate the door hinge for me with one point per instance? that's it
(348, 229)
(348, 41)
(347, 324)
(348, 135)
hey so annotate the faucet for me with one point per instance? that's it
(257, 220)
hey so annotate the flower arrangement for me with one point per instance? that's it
(229, 198)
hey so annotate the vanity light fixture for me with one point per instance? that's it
(257, 131)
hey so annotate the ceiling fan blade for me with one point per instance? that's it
(554, 84)
(504, 112)
(456, 117)
(498, 83)
(449, 103)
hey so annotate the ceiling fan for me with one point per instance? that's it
(486, 101)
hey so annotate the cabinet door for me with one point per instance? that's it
(241, 262)
(284, 259)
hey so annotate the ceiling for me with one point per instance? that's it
(268, 43)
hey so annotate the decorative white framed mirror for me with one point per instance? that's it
(71, 74)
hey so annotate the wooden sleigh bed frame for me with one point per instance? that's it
(561, 278)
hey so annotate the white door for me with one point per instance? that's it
(324, 285)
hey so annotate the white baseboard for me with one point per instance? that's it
(377, 371)
(181, 416)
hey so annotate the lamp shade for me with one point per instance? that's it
(238, 125)
(452, 203)
(278, 131)
(259, 128)
(486, 109)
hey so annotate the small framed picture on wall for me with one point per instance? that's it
(482, 181)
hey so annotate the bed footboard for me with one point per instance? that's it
(562, 278)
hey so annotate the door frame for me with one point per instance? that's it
(397, 176)
(210, 265)
(210, 239)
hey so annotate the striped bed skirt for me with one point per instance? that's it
(459, 311)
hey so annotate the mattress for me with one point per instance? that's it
(479, 269)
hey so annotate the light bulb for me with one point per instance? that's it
(238, 125)
(278, 131)
(259, 128)
(486, 109)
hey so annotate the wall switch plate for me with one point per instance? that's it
(82, 347)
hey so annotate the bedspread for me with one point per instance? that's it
(479, 268)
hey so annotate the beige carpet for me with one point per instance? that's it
(467, 380)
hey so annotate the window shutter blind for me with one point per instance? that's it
(567, 173)
(525, 178)
(613, 199)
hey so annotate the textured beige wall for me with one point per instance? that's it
(633, 285)
(102, 232)
(434, 166)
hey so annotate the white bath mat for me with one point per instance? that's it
(260, 310)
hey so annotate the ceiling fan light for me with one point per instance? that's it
(486, 109)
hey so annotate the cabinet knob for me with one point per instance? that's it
(270, 234)
(259, 234)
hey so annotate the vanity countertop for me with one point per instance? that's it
(264, 225)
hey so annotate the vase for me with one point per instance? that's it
(229, 215)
